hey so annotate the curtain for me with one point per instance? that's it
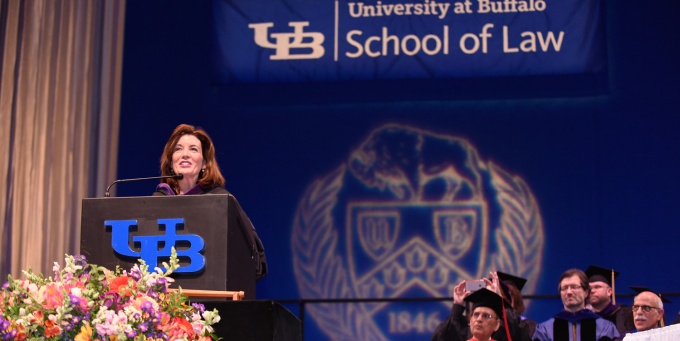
(61, 64)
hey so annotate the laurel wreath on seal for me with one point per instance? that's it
(321, 272)
(519, 238)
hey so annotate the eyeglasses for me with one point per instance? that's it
(572, 287)
(644, 308)
(485, 316)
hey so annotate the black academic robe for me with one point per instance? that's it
(455, 327)
(588, 326)
(530, 325)
(620, 315)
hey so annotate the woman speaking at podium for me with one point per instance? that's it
(191, 153)
(189, 156)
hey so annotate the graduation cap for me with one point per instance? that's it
(600, 274)
(518, 282)
(643, 289)
(486, 298)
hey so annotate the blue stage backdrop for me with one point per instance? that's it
(359, 189)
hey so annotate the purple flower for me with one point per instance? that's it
(153, 295)
(109, 300)
(136, 273)
(163, 283)
(9, 336)
(75, 300)
(147, 307)
(4, 333)
(80, 260)
(156, 317)
(199, 306)
(106, 306)
(159, 335)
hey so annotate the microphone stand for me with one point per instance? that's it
(176, 176)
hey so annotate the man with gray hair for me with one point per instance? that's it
(647, 309)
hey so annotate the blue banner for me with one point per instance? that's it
(312, 40)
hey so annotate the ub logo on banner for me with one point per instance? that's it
(160, 246)
(256, 42)
(419, 212)
(285, 42)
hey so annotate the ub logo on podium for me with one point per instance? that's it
(151, 248)
(410, 214)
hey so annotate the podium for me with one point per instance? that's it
(255, 320)
(146, 227)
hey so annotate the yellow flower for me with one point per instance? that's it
(85, 332)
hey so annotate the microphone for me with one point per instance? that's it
(176, 176)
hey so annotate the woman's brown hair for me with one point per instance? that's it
(515, 297)
(211, 176)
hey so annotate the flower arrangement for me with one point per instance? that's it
(86, 302)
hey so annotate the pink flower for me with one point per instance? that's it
(89, 303)
(36, 317)
(144, 300)
(53, 296)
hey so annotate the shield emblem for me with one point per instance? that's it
(446, 239)
(456, 228)
(377, 231)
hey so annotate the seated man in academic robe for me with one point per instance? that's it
(575, 323)
(457, 326)
(602, 298)
(647, 309)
